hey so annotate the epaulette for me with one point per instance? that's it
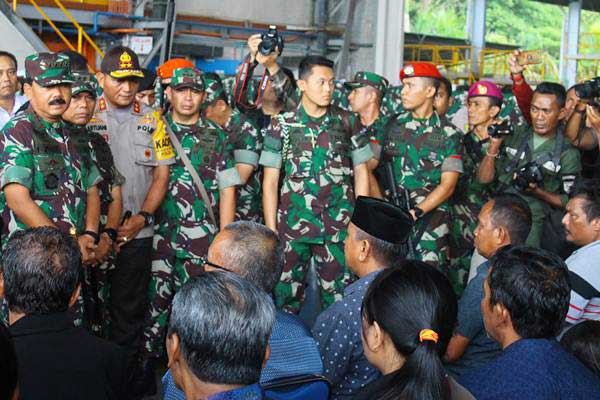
(102, 104)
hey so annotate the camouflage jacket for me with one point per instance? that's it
(247, 144)
(317, 157)
(184, 218)
(90, 142)
(420, 151)
(42, 157)
(469, 189)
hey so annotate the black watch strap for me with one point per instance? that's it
(418, 212)
(112, 233)
(148, 218)
(93, 235)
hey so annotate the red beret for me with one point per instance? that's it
(420, 69)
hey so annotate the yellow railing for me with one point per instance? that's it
(81, 33)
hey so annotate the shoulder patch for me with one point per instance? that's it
(102, 104)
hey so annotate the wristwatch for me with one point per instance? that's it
(111, 233)
(148, 218)
(418, 212)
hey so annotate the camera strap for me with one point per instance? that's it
(192, 171)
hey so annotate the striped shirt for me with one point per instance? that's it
(584, 272)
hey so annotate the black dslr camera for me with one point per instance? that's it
(528, 173)
(270, 41)
(589, 89)
(502, 129)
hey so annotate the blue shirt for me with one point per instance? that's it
(252, 392)
(338, 332)
(532, 369)
(481, 348)
(293, 352)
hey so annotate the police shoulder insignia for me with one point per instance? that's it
(102, 104)
(136, 106)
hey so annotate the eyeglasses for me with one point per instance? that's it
(213, 265)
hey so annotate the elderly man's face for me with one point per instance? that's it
(486, 233)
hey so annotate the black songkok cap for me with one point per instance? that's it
(382, 220)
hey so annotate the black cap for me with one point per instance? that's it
(382, 220)
(121, 62)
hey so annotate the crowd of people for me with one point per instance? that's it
(295, 237)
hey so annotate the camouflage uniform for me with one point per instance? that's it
(185, 230)
(419, 152)
(95, 288)
(316, 200)
(557, 178)
(247, 142)
(465, 204)
(40, 156)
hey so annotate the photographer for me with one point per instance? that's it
(484, 102)
(536, 162)
(585, 137)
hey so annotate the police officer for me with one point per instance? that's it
(484, 104)
(45, 179)
(539, 155)
(95, 150)
(316, 148)
(142, 153)
(186, 228)
(247, 144)
(426, 157)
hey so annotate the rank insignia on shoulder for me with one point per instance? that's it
(136, 107)
(102, 104)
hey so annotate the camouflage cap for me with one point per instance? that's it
(214, 88)
(187, 78)
(365, 78)
(84, 82)
(48, 69)
(121, 62)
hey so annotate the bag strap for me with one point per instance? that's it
(192, 171)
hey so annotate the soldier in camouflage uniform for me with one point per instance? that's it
(247, 144)
(426, 157)
(45, 179)
(484, 104)
(185, 229)
(317, 148)
(87, 141)
(366, 92)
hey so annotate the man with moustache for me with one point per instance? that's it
(45, 179)
(142, 152)
(541, 146)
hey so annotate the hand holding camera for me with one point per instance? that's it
(500, 130)
(266, 47)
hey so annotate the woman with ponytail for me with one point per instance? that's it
(409, 313)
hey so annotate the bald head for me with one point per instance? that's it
(250, 250)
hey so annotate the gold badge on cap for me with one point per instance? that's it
(481, 89)
(125, 61)
(409, 70)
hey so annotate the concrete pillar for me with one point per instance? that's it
(476, 30)
(570, 44)
(389, 40)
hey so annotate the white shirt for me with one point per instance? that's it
(5, 116)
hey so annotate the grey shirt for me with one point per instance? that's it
(481, 348)
(138, 142)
